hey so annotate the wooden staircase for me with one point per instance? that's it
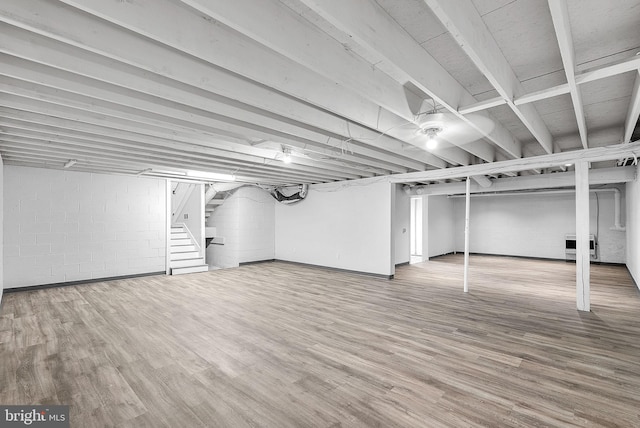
(184, 253)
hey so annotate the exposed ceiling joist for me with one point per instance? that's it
(251, 60)
(633, 113)
(597, 154)
(482, 180)
(466, 26)
(562, 26)
(531, 182)
(373, 29)
(349, 88)
(614, 69)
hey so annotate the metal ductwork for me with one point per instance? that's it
(284, 194)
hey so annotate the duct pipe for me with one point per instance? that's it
(617, 200)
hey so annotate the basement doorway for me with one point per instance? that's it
(416, 230)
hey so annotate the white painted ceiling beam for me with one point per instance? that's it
(596, 154)
(230, 52)
(99, 144)
(562, 26)
(533, 182)
(36, 158)
(111, 169)
(630, 64)
(59, 126)
(482, 180)
(19, 43)
(312, 47)
(335, 62)
(466, 26)
(634, 110)
(117, 127)
(372, 28)
(78, 107)
(87, 150)
(31, 147)
(482, 105)
(80, 87)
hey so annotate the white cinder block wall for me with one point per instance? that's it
(62, 226)
(246, 221)
(535, 225)
(256, 225)
(440, 226)
(340, 225)
(226, 219)
(1, 229)
(633, 229)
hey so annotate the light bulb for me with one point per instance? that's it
(432, 143)
(286, 158)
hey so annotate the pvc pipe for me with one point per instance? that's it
(466, 236)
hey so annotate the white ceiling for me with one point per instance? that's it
(157, 86)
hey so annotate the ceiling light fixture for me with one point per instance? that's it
(70, 163)
(431, 132)
(286, 155)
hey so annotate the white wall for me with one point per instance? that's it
(535, 225)
(246, 221)
(440, 226)
(62, 226)
(401, 226)
(633, 229)
(1, 228)
(341, 225)
(257, 212)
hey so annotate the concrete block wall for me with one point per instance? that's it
(63, 226)
(246, 220)
(256, 225)
(226, 219)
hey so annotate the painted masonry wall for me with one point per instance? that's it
(62, 226)
(440, 226)
(633, 229)
(257, 232)
(536, 225)
(1, 229)
(246, 221)
(340, 225)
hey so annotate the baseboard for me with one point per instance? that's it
(545, 258)
(402, 264)
(256, 262)
(81, 282)
(377, 275)
(633, 279)
(442, 255)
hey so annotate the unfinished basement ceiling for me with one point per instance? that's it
(346, 87)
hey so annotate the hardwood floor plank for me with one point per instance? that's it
(284, 345)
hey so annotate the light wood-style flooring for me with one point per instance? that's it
(283, 345)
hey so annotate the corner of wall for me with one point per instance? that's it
(632, 196)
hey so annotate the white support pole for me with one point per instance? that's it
(168, 219)
(583, 255)
(466, 236)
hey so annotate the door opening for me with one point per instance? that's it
(416, 230)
